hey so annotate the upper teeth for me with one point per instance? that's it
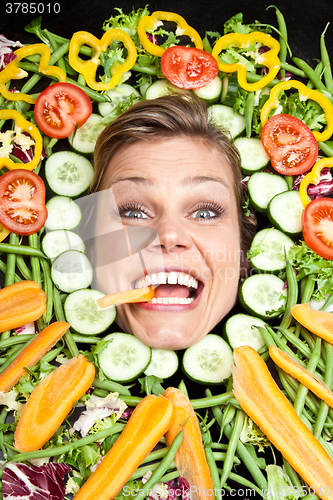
(172, 278)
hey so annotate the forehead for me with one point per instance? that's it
(172, 160)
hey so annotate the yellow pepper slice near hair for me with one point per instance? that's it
(13, 72)
(313, 177)
(89, 67)
(268, 59)
(3, 233)
(304, 94)
(152, 22)
(23, 126)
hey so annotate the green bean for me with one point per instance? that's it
(60, 450)
(163, 466)
(147, 70)
(248, 461)
(305, 297)
(59, 312)
(210, 401)
(292, 295)
(17, 339)
(111, 386)
(182, 387)
(48, 288)
(292, 69)
(302, 390)
(300, 346)
(93, 94)
(290, 181)
(10, 272)
(328, 379)
(35, 270)
(16, 249)
(310, 73)
(169, 477)
(232, 446)
(227, 417)
(11, 260)
(22, 267)
(48, 357)
(214, 472)
(248, 112)
(283, 39)
(328, 150)
(141, 471)
(54, 45)
(155, 455)
(3, 416)
(266, 335)
(253, 77)
(85, 339)
(245, 482)
(3, 268)
(293, 476)
(19, 348)
(218, 446)
(326, 62)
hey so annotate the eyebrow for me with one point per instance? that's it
(198, 179)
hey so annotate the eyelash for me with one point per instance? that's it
(212, 206)
(126, 207)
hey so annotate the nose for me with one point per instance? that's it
(173, 236)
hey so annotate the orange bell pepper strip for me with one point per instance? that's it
(150, 23)
(318, 322)
(313, 177)
(269, 59)
(13, 72)
(304, 94)
(89, 67)
(263, 401)
(22, 125)
(136, 295)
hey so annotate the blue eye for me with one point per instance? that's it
(204, 213)
(134, 214)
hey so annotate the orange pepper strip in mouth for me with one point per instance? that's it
(145, 294)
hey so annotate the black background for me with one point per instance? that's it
(306, 20)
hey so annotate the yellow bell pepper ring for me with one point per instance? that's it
(22, 125)
(13, 72)
(304, 94)
(268, 59)
(89, 67)
(150, 23)
(313, 177)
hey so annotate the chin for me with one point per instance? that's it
(175, 339)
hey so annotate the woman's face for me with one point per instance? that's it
(184, 190)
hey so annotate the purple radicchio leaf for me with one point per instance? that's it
(25, 155)
(323, 188)
(29, 482)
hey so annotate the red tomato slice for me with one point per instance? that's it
(188, 67)
(22, 201)
(317, 225)
(60, 107)
(290, 144)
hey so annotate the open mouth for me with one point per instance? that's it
(171, 287)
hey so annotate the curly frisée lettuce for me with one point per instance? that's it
(280, 486)
(306, 262)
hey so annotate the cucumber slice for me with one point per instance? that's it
(253, 156)
(124, 357)
(210, 92)
(56, 242)
(68, 173)
(208, 361)
(163, 363)
(119, 94)
(225, 117)
(267, 251)
(263, 295)
(161, 88)
(62, 213)
(84, 139)
(262, 187)
(285, 212)
(71, 271)
(241, 329)
(84, 314)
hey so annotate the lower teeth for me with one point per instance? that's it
(171, 300)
